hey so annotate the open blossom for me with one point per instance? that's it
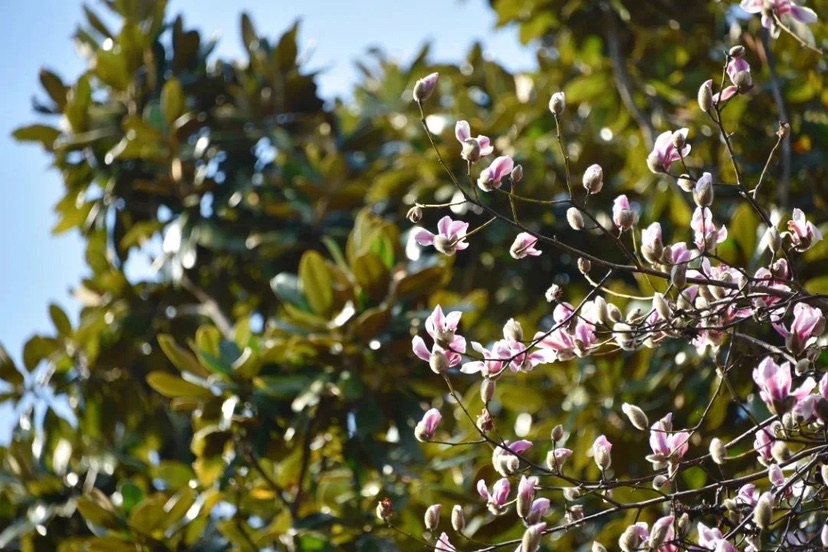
(425, 428)
(711, 538)
(808, 322)
(706, 235)
(803, 234)
(781, 8)
(450, 237)
(473, 148)
(665, 153)
(774, 383)
(507, 462)
(491, 177)
(524, 245)
(665, 444)
(443, 327)
(492, 362)
(498, 497)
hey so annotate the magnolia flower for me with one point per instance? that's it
(507, 462)
(424, 87)
(496, 499)
(490, 177)
(443, 544)
(803, 234)
(711, 538)
(774, 383)
(763, 441)
(706, 95)
(539, 509)
(665, 444)
(706, 236)
(808, 322)
(665, 153)
(492, 363)
(425, 428)
(524, 245)
(473, 148)
(747, 495)
(622, 214)
(651, 244)
(780, 8)
(601, 450)
(450, 237)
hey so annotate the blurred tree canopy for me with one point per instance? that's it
(256, 389)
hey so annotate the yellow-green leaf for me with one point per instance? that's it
(317, 284)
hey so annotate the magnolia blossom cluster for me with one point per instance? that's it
(705, 299)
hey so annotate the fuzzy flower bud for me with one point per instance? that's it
(705, 95)
(679, 139)
(718, 451)
(661, 306)
(598, 547)
(487, 390)
(484, 421)
(557, 433)
(525, 496)
(513, 330)
(601, 449)
(629, 539)
(557, 103)
(575, 218)
(532, 537)
(424, 87)
(736, 51)
(622, 214)
(571, 493)
(703, 190)
(470, 150)
(763, 512)
(458, 519)
(432, 517)
(438, 362)
(743, 81)
(659, 481)
(594, 179)
(516, 174)
(686, 183)
(415, 214)
(659, 532)
(636, 416)
(678, 275)
(584, 265)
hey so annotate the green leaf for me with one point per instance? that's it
(149, 517)
(172, 100)
(44, 134)
(372, 275)
(250, 39)
(8, 371)
(317, 284)
(172, 386)
(36, 349)
(60, 320)
(54, 87)
(112, 69)
(181, 358)
(98, 510)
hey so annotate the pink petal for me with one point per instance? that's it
(423, 236)
(462, 131)
(420, 349)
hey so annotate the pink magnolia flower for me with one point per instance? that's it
(803, 234)
(450, 237)
(524, 245)
(443, 544)
(526, 488)
(666, 445)
(781, 8)
(622, 214)
(442, 327)
(735, 66)
(492, 363)
(498, 497)
(711, 538)
(436, 356)
(540, 507)
(558, 457)
(706, 236)
(651, 245)
(662, 535)
(506, 461)
(719, 97)
(748, 495)
(490, 177)
(808, 323)
(474, 148)
(526, 362)
(601, 450)
(763, 441)
(665, 153)
(428, 425)
(774, 383)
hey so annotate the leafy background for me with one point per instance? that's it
(261, 392)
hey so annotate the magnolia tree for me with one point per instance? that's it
(764, 488)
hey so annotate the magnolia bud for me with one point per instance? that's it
(763, 513)
(683, 522)
(484, 421)
(654, 163)
(458, 519)
(415, 214)
(438, 362)
(601, 309)
(774, 239)
(571, 493)
(532, 537)
(574, 513)
(557, 103)
(678, 275)
(603, 458)
(614, 313)
(802, 366)
(432, 517)
(743, 81)
(385, 509)
(703, 191)
(424, 87)
(686, 183)
(598, 547)
(470, 150)
(594, 179)
(517, 174)
(823, 471)
(718, 451)
(507, 464)
(780, 452)
(629, 541)
(636, 416)
(557, 433)
(659, 481)
(736, 51)
(658, 534)
(584, 265)
(575, 218)
(679, 140)
(487, 390)
(705, 96)
(661, 306)
(513, 330)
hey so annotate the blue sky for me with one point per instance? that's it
(41, 268)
